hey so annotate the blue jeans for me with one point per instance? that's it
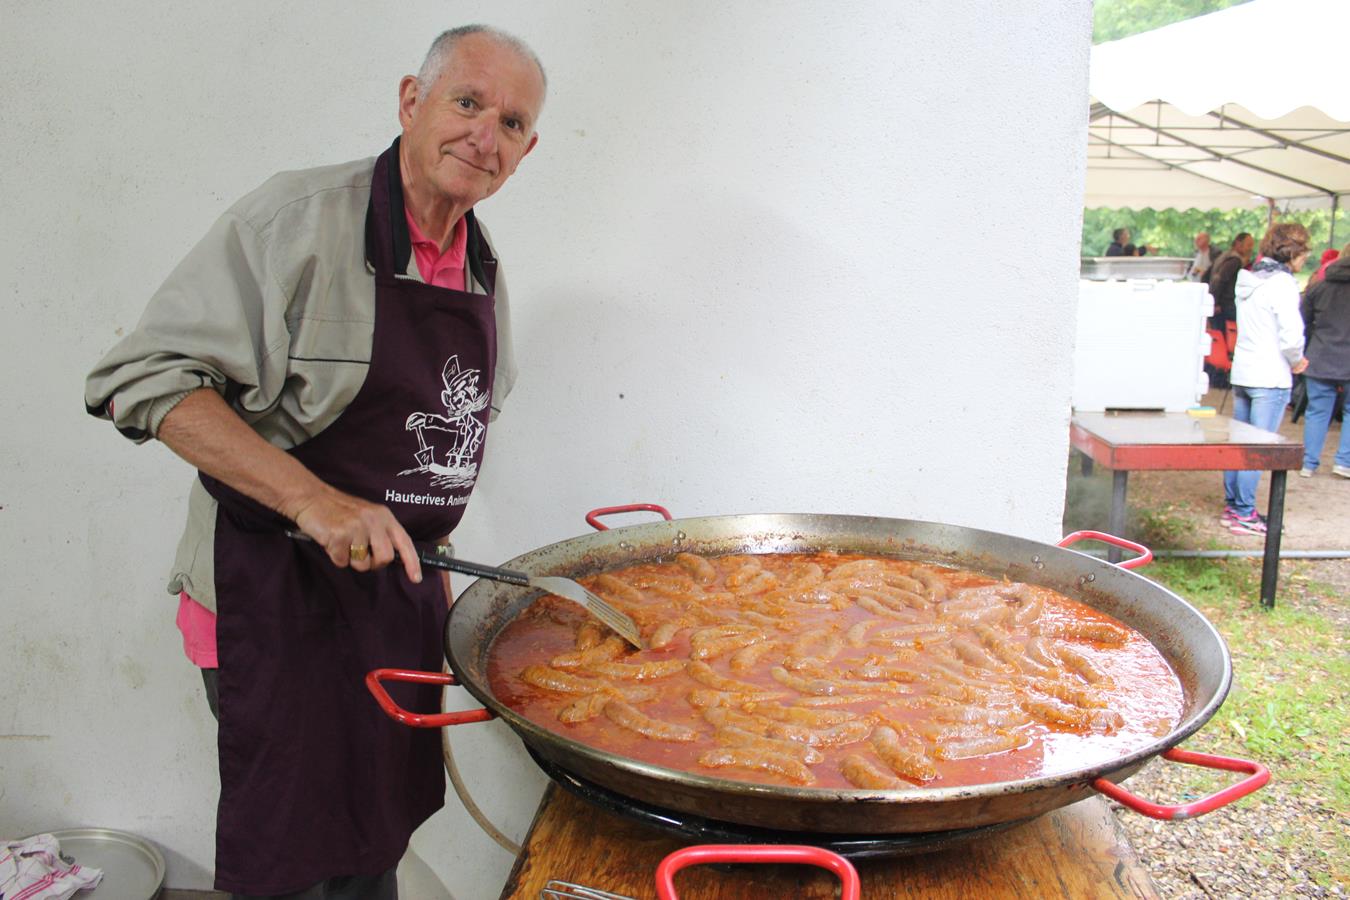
(1317, 419)
(1263, 408)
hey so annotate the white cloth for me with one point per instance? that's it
(32, 869)
(1270, 329)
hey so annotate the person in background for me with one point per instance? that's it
(1223, 279)
(1205, 255)
(1328, 257)
(1345, 251)
(1119, 239)
(1326, 322)
(289, 358)
(1269, 353)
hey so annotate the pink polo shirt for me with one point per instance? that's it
(197, 623)
(441, 269)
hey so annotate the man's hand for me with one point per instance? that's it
(1299, 367)
(208, 434)
(340, 523)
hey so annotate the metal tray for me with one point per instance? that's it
(1116, 268)
(133, 868)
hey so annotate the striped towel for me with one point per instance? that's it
(32, 869)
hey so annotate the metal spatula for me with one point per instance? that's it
(438, 556)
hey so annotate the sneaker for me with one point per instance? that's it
(1253, 524)
(1229, 514)
(1343, 471)
(1305, 472)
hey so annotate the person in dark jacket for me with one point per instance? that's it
(1222, 278)
(1119, 238)
(1326, 324)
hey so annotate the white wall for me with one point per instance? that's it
(774, 257)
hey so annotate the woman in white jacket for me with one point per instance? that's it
(1269, 353)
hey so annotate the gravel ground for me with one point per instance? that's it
(1275, 847)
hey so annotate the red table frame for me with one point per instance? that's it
(1152, 441)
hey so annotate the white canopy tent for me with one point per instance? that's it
(1237, 108)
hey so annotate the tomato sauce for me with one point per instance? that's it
(945, 661)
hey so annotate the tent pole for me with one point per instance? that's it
(1335, 205)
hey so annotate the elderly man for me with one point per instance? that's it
(1205, 254)
(328, 357)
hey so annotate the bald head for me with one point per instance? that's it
(443, 50)
(468, 120)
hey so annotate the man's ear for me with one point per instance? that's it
(407, 100)
(534, 139)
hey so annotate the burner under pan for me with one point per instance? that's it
(697, 829)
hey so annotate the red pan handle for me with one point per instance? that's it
(756, 853)
(419, 720)
(593, 517)
(1258, 776)
(1144, 558)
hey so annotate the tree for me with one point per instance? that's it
(1116, 19)
(1173, 231)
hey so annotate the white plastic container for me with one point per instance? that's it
(1141, 344)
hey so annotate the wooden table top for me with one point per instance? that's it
(1170, 441)
(1075, 852)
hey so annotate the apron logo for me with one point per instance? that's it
(463, 403)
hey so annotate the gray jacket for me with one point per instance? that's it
(275, 309)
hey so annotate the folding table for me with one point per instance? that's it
(1161, 441)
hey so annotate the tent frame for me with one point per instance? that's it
(1100, 111)
(1214, 153)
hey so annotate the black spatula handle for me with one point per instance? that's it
(431, 557)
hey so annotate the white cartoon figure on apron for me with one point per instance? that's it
(463, 402)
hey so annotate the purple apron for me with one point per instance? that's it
(316, 781)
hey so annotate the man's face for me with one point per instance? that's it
(475, 124)
(1244, 248)
(1202, 241)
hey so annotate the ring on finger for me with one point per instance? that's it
(359, 552)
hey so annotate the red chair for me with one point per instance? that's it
(1222, 344)
(1220, 358)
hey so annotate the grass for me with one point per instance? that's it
(1289, 706)
(1290, 702)
(1164, 528)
